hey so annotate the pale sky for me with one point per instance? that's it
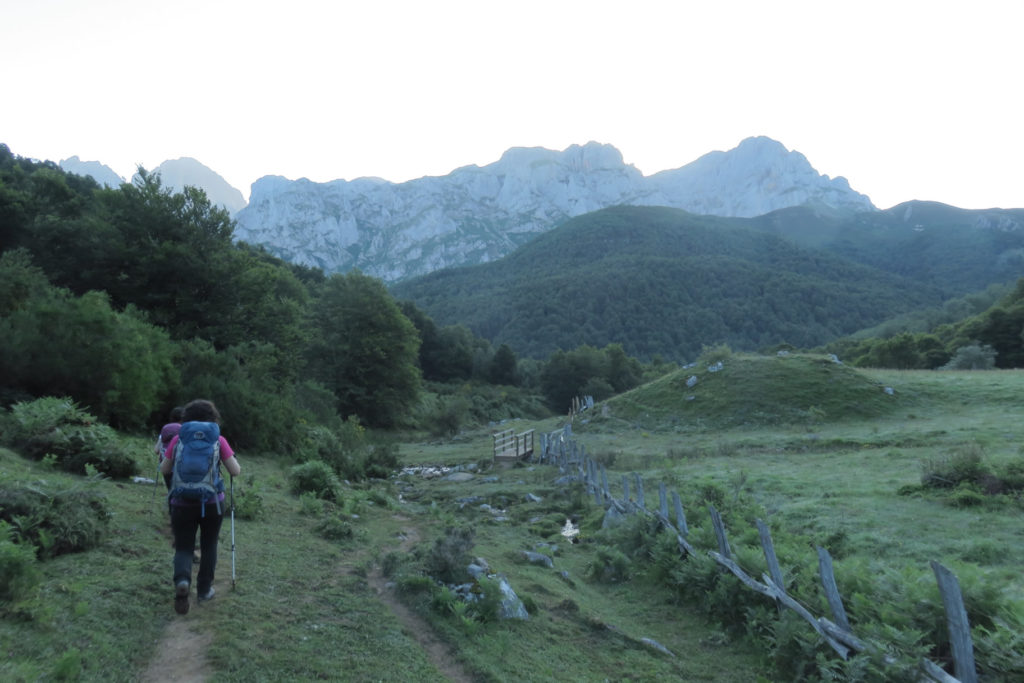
(906, 99)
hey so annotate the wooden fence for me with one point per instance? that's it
(561, 450)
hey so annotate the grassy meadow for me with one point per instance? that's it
(336, 590)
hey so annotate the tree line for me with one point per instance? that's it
(136, 299)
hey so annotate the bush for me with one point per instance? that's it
(448, 558)
(949, 471)
(59, 522)
(1012, 475)
(966, 496)
(249, 502)
(380, 461)
(973, 357)
(335, 529)
(315, 477)
(19, 574)
(709, 355)
(610, 566)
(58, 427)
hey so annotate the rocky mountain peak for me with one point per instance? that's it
(477, 214)
(177, 173)
(101, 173)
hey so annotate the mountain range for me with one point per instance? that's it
(480, 214)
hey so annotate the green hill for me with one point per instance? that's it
(756, 391)
(955, 250)
(662, 281)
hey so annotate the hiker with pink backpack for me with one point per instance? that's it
(167, 432)
(196, 495)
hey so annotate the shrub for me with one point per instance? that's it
(315, 477)
(1012, 475)
(380, 461)
(949, 471)
(59, 522)
(610, 566)
(249, 502)
(310, 505)
(966, 496)
(709, 355)
(973, 357)
(58, 427)
(447, 560)
(334, 528)
(447, 416)
(19, 574)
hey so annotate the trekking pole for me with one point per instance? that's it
(232, 532)
(156, 483)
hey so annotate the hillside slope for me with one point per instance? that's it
(662, 281)
(756, 391)
(954, 250)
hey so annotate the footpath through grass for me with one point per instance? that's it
(317, 583)
(304, 607)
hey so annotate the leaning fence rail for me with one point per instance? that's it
(558, 448)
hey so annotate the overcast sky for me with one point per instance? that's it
(907, 100)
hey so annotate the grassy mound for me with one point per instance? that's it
(756, 390)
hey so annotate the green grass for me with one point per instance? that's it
(305, 607)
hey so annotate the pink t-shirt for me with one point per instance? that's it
(226, 453)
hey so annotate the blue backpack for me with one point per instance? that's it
(196, 472)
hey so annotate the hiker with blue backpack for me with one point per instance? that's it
(193, 459)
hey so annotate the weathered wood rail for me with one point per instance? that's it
(510, 447)
(561, 450)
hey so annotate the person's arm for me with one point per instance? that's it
(232, 466)
(167, 464)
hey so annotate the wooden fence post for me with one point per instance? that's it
(768, 547)
(639, 491)
(680, 515)
(956, 621)
(604, 482)
(723, 542)
(625, 489)
(828, 582)
(662, 500)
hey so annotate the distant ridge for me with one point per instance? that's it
(479, 214)
(662, 281)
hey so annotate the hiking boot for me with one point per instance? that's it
(181, 597)
(208, 595)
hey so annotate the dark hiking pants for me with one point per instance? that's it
(185, 521)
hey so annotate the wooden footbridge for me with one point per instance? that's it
(510, 447)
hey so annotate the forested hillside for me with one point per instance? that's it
(133, 300)
(953, 250)
(664, 282)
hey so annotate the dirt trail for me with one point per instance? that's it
(437, 651)
(180, 655)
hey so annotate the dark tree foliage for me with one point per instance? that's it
(367, 350)
(503, 366)
(587, 371)
(662, 282)
(57, 344)
(999, 330)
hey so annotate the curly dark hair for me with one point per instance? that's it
(200, 410)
